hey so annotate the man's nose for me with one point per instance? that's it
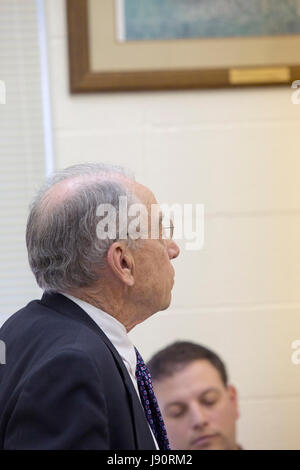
(173, 249)
(198, 416)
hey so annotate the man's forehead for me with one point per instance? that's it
(199, 374)
(145, 195)
(148, 199)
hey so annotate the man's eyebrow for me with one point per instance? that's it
(210, 389)
(162, 216)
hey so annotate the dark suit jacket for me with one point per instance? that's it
(64, 385)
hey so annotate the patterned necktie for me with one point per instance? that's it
(150, 404)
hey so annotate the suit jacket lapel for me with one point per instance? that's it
(65, 306)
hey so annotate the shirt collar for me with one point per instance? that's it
(113, 329)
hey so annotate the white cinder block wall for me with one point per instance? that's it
(236, 151)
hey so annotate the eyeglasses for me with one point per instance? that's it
(168, 231)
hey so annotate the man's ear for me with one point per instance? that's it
(233, 397)
(121, 262)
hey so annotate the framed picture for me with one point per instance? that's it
(169, 44)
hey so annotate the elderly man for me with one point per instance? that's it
(198, 405)
(73, 379)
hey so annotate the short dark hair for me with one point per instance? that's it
(178, 355)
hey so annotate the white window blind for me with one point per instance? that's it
(22, 154)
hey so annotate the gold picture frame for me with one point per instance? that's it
(97, 62)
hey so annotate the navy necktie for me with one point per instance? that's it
(150, 404)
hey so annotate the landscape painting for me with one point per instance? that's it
(139, 20)
(126, 45)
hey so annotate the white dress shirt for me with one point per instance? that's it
(117, 334)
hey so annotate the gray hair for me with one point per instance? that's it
(64, 251)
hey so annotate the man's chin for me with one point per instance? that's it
(209, 443)
(166, 303)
